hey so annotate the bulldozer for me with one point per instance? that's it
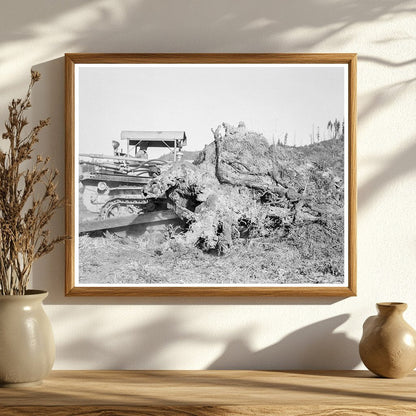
(112, 186)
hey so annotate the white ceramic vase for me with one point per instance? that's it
(27, 347)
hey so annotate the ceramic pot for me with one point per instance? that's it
(388, 344)
(27, 347)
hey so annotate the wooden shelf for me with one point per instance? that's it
(202, 393)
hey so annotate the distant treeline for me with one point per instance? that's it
(334, 129)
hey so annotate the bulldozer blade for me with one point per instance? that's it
(122, 222)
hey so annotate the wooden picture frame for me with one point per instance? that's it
(88, 106)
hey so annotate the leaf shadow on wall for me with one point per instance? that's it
(393, 169)
(136, 347)
(315, 346)
(189, 26)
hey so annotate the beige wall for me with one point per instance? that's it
(197, 333)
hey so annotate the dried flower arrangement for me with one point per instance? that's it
(28, 199)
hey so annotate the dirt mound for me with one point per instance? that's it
(238, 157)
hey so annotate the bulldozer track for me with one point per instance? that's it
(129, 204)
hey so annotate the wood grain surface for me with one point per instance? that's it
(201, 393)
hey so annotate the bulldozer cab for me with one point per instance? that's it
(138, 142)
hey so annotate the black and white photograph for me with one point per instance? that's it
(211, 174)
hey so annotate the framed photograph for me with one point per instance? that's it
(211, 174)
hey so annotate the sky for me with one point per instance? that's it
(270, 99)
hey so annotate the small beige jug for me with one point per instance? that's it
(388, 344)
(27, 347)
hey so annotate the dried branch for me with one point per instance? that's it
(24, 217)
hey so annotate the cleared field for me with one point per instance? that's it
(114, 260)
